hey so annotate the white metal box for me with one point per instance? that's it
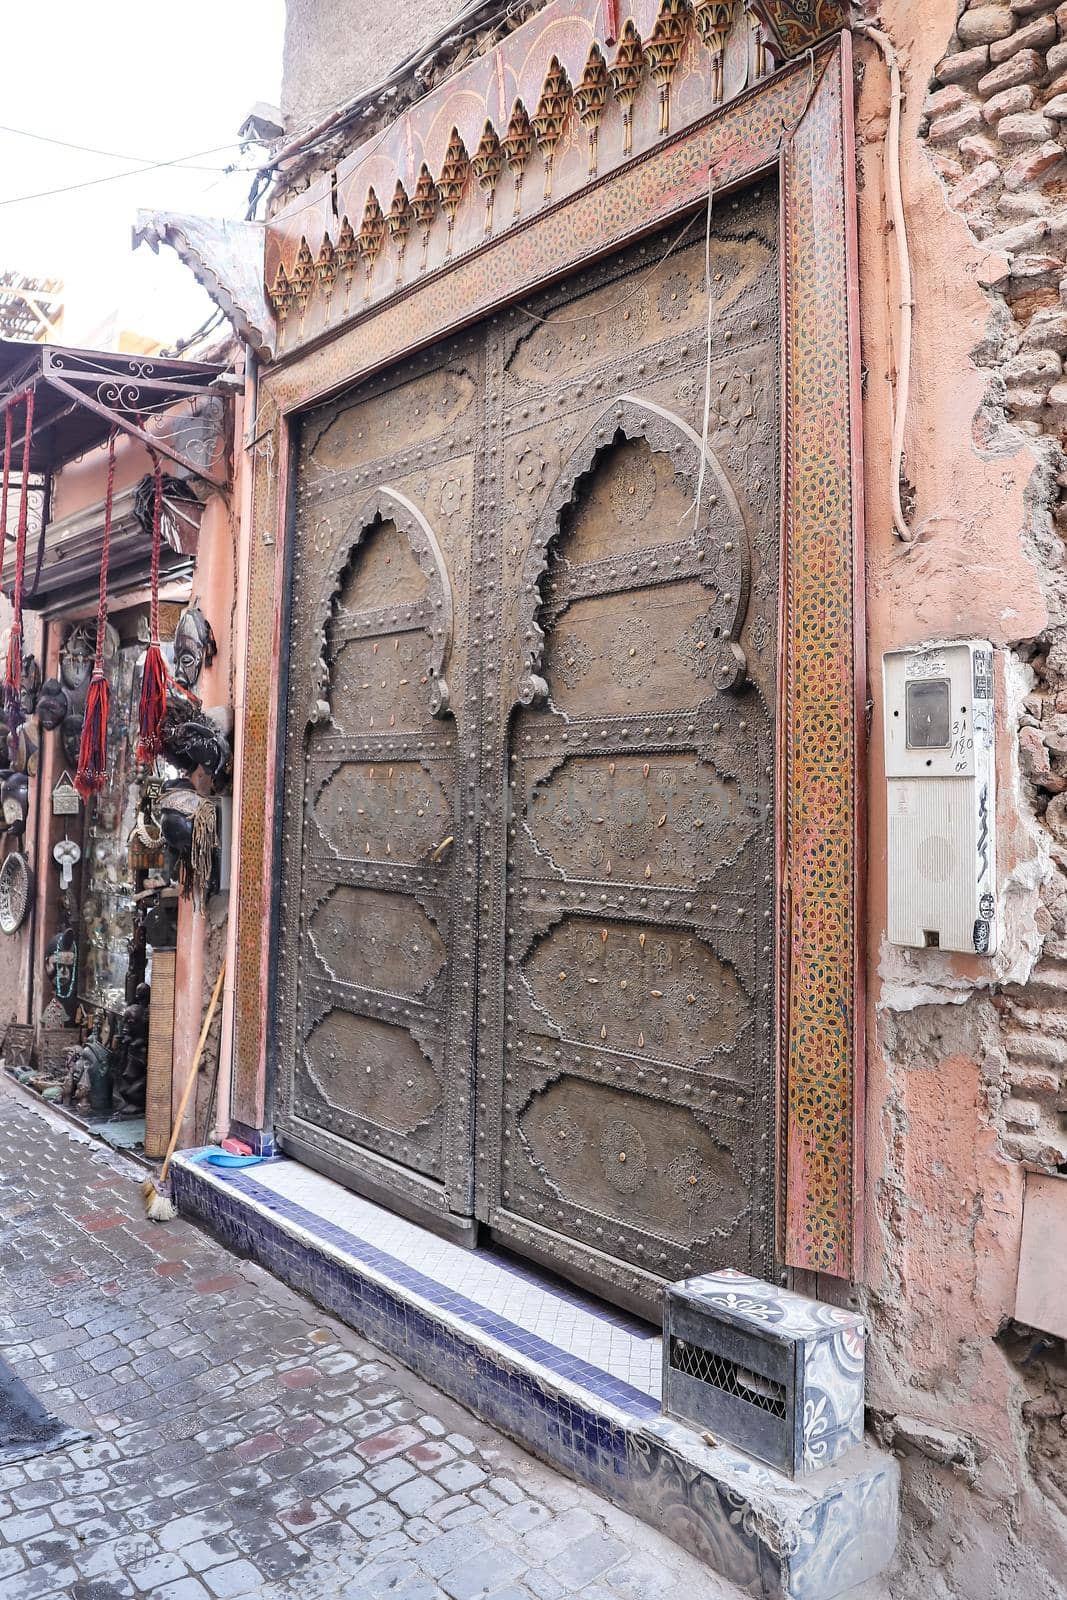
(939, 740)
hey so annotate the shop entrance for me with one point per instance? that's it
(525, 965)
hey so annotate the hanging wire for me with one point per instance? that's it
(113, 177)
(787, 139)
(707, 354)
(111, 155)
(605, 311)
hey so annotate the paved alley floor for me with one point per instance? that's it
(241, 1442)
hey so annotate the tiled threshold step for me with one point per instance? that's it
(572, 1380)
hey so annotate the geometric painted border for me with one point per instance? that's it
(822, 691)
(799, 119)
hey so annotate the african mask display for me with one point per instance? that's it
(177, 806)
(15, 803)
(60, 962)
(193, 737)
(53, 704)
(31, 685)
(70, 735)
(131, 1076)
(76, 660)
(190, 827)
(194, 646)
(91, 1074)
(21, 750)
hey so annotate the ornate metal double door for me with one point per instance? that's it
(527, 907)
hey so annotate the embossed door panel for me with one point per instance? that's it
(374, 1035)
(526, 952)
(630, 1136)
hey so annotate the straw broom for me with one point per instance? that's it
(158, 1202)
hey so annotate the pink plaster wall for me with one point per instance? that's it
(82, 483)
(201, 934)
(943, 1200)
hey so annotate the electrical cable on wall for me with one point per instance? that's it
(896, 221)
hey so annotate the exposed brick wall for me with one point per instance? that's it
(996, 127)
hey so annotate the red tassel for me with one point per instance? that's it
(13, 681)
(13, 674)
(154, 678)
(153, 706)
(92, 753)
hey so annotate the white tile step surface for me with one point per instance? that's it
(565, 1317)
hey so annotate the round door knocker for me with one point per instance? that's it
(16, 891)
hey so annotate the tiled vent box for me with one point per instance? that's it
(772, 1373)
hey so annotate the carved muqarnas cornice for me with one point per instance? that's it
(694, 54)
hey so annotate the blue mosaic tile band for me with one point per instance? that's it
(556, 1426)
(623, 1395)
(761, 1532)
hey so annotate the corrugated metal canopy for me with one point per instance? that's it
(69, 574)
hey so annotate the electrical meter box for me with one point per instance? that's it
(939, 745)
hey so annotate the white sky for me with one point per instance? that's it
(147, 81)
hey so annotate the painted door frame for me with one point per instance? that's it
(800, 120)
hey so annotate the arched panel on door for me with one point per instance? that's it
(370, 1064)
(638, 1122)
(362, 597)
(368, 1091)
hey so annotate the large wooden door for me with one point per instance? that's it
(374, 1032)
(588, 968)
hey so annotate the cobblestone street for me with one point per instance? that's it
(241, 1443)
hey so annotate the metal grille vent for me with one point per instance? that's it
(729, 1376)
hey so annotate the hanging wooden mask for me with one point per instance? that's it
(53, 704)
(21, 750)
(31, 685)
(15, 804)
(70, 734)
(76, 661)
(192, 738)
(194, 646)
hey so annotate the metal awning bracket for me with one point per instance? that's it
(214, 474)
(173, 407)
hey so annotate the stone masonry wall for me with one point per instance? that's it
(335, 49)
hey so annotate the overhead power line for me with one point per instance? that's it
(113, 177)
(91, 150)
